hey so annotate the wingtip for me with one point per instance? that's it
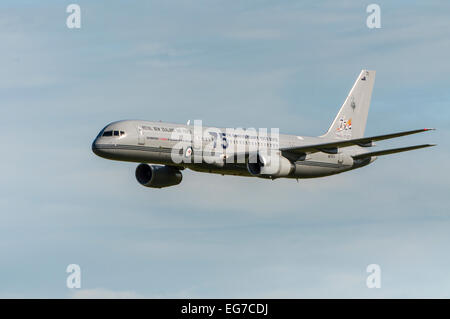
(429, 129)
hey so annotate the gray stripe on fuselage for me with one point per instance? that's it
(133, 148)
(320, 164)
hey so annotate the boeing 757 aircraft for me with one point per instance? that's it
(165, 149)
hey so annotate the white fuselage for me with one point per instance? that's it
(157, 142)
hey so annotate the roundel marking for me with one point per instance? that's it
(188, 152)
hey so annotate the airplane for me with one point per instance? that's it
(165, 149)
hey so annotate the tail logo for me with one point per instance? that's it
(345, 128)
(364, 77)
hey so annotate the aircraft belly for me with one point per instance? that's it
(313, 166)
(228, 169)
(321, 164)
(309, 170)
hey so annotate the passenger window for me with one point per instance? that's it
(122, 133)
(107, 133)
(116, 133)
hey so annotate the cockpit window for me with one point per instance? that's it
(113, 133)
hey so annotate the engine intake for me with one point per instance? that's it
(271, 166)
(158, 176)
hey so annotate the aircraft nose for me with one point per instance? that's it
(96, 149)
(101, 149)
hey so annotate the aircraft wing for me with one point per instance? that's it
(332, 147)
(391, 151)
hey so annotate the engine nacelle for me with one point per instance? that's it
(158, 176)
(269, 165)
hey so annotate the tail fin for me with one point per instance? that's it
(350, 122)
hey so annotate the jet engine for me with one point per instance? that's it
(269, 165)
(158, 176)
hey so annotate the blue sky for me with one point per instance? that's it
(255, 63)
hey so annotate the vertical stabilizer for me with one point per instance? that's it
(350, 122)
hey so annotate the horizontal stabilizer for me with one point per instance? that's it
(364, 141)
(391, 151)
